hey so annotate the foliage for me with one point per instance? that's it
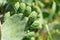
(30, 19)
(14, 27)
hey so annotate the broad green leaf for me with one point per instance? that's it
(13, 28)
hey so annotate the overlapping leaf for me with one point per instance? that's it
(13, 28)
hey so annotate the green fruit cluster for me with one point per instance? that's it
(31, 12)
(28, 19)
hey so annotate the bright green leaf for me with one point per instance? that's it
(13, 28)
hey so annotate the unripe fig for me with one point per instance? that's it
(16, 6)
(22, 7)
(27, 11)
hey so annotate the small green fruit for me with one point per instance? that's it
(30, 34)
(35, 24)
(33, 15)
(27, 11)
(16, 6)
(22, 7)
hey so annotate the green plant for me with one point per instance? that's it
(27, 20)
